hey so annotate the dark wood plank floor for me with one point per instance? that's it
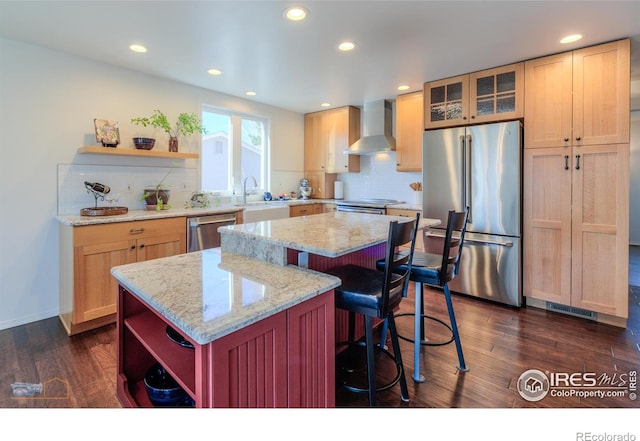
(500, 343)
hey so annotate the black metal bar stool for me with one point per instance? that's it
(436, 270)
(375, 294)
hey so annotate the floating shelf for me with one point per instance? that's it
(135, 152)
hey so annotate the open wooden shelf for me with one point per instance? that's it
(135, 152)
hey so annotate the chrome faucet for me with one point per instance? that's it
(244, 188)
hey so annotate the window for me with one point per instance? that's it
(235, 147)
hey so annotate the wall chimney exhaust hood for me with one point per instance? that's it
(377, 124)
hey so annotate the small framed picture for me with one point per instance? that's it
(107, 132)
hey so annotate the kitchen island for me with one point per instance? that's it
(259, 312)
(261, 335)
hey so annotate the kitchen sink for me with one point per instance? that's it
(262, 211)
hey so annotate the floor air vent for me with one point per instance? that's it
(570, 310)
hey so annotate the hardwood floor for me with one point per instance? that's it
(499, 342)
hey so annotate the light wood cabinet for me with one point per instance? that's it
(305, 210)
(409, 131)
(328, 134)
(87, 254)
(409, 213)
(578, 98)
(329, 208)
(576, 181)
(485, 96)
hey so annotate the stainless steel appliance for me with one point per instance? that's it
(202, 231)
(371, 206)
(480, 167)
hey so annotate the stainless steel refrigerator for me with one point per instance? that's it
(480, 167)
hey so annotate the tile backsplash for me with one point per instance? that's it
(379, 179)
(127, 185)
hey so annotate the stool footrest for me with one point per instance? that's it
(377, 349)
(427, 342)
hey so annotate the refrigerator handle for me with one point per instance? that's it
(468, 179)
(463, 184)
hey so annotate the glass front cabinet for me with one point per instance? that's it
(484, 96)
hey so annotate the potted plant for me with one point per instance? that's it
(187, 124)
(157, 197)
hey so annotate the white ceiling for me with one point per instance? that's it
(296, 66)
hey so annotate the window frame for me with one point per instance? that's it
(235, 149)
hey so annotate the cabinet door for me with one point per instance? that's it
(409, 130)
(314, 141)
(600, 229)
(342, 128)
(601, 82)
(496, 94)
(160, 246)
(446, 102)
(95, 289)
(303, 210)
(548, 102)
(329, 208)
(249, 366)
(547, 224)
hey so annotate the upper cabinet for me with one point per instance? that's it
(578, 98)
(409, 130)
(485, 96)
(327, 134)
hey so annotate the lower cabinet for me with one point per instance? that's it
(576, 225)
(305, 210)
(87, 254)
(285, 360)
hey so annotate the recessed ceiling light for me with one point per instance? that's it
(325, 105)
(296, 13)
(214, 72)
(403, 87)
(250, 93)
(571, 38)
(138, 48)
(347, 46)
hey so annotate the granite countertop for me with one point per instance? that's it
(211, 293)
(328, 234)
(135, 215)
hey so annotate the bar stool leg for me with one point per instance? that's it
(454, 328)
(417, 325)
(404, 391)
(371, 372)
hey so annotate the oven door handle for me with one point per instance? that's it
(361, 210)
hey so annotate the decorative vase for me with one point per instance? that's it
(173, 144)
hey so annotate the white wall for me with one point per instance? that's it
(48, 101)
(634, 180)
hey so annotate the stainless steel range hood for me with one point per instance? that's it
(377, 124)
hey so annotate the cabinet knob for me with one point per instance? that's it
(578, 138)
(566, 140)
(473, 117)
(133, 247)
(464, 117)
(141, 245)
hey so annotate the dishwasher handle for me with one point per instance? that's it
(196, 221)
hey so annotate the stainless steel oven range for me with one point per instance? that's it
(371, 206)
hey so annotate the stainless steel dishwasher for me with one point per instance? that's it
(202, 231)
